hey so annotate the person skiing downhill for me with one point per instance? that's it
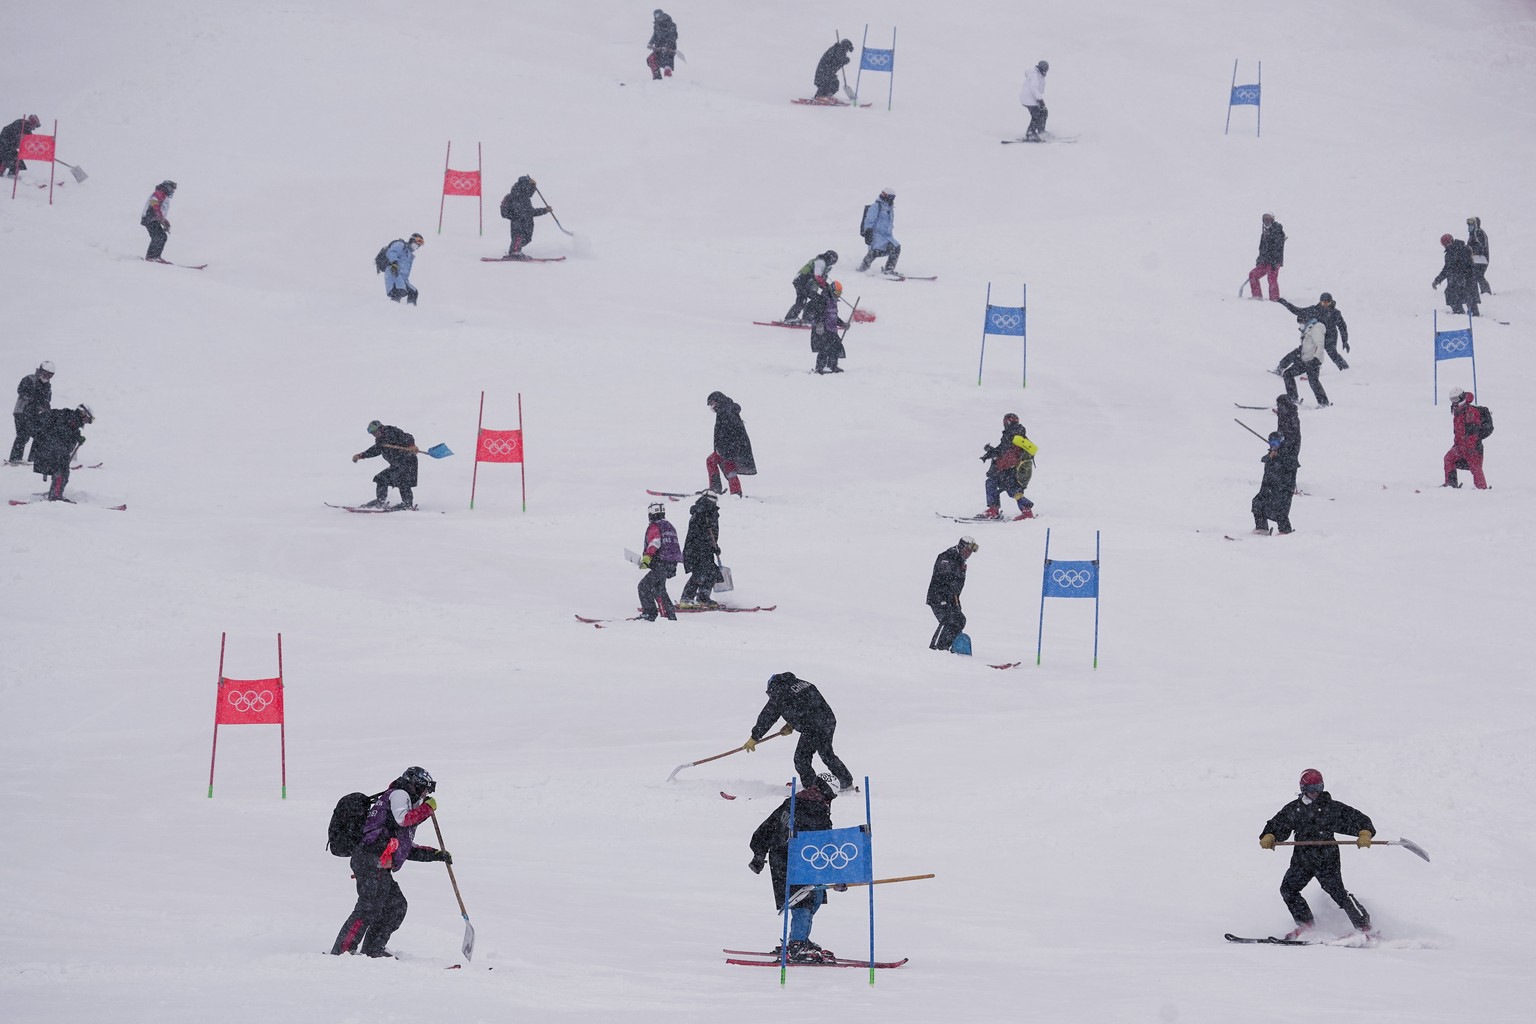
(663, 44)
(1307, 358)
(944, 588)
(807, 712)
(1271, 258)
(732, 453)
(1459, 275)
(879, 221)
(399, 257)
(826, 342)
(155, 221)
(399, 451)
(1274, 498)
(1032, 96)
(58, 438)
(34, 397)
(1315, 815)
(1468, 428)
(517, 208)
(658, 560)
(700, 550)
(809, 282)
(1477, 245)
(389, 840)
(1013, 465)
(828, 68)
(10, 144)
(1335, 330)
(809, 810)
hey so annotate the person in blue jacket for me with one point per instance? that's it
(879, 222)
(397, 276)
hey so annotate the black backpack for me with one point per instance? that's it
(381, 264)
(868, 234)
(345, 834)
(1487, 426)
(506, 206)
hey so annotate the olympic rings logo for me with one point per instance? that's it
(464, 184)
(877, 60)
(830, 856)
(247, 701)
(1072, 578)
(1007, 320)
(1454, 345)
(1242, 94)
(498, 446)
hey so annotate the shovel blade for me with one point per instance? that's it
(468, 949)
(79, 173)
(1414, 848)
(439, 451)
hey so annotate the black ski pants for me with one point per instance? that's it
(24, 432)
(1294, 367)
(819, 742)
(828, 346)
(157, 239)
(653, 590)
(1037, 116)
(390, 477)
(380, 907)
(701, 583)
(892, 253)
(1328, 875)
(805, 290)
(951, 622)
(1480, 273)
(1274, 502)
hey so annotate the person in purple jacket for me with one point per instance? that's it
(822, 316)
(389, 840)
(659, 561)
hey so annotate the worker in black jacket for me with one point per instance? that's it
(829, 67)
(1288, 426)
(1459, 275)
(34, 397)
(944, 588)
(811, 810)
(1271, 258)
(1335, 330)
(700, 550)
(517, 207)
(58, 438)
(1274, 498)
(663, 44)
(399, 451)
(1477, 244)
(10, 143)
(732, 454)
(1314, 815)
(805, 711)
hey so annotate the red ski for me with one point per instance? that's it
(1009, 664)
(522, 259)
(827, 103)
(781, 323)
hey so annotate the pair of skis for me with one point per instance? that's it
(184, 266)
(522, 259)
(734, 609)
(70, 501)
(733, 956)
(1273, 941)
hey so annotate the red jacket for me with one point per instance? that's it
(1467, 423)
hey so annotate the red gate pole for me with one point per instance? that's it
(444, 197)
(522, 436)
(480, 165)
(53, 165)
(475, 475)
(215, 754)
(282, 727)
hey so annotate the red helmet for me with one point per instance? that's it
(1311, 782)
(1446, 239)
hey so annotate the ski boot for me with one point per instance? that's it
(1028, 513)
(804, 951)
(1298, 932)
(992, 512)
(1262, 531)
(375, 503)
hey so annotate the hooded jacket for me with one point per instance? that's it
(703, 542)
(948, 578)
(1323, 818)
(798, 702)
(812, 813)
(731, 440)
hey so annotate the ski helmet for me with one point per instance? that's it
(848, 45)
(417, 240)
(373, 426)
(1458, 395)
(85, 411)
(828, 784)
(886, 193)
(33, 121)
(1268, 219)
(46, 366)
(167, 186)
(1446, 239)
(419, 779)
(1311, 782)
(1276, 439)
(1325, 297)
(1284, 400)
(656, 510)
(658, 14)
(837, 288)
(1009, 419)
(783, 678)
(830, 257)
(969, 543)
(1043, 67)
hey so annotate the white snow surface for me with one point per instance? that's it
(1093, 831)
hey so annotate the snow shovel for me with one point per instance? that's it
(468, 948)
(846, 90)
(437, 451)
(78, 172)
(552, 212)
(1407, 844)
(726, 584)
(728, 753)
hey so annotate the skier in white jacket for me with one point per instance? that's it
(1308, 359)
(1033, 97)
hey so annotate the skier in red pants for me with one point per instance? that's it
(1469, 429)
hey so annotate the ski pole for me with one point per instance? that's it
(1250, 430)
(552, 212)
(1407, 844)
(706, 760)
(468, 948)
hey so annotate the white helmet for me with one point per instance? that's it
(46, 366)
(90, 417)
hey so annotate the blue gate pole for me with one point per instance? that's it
(784, 942)
(988, 313)
(869, 825)
(1098, 592)
(1258, 108)
(1024, 338)
(858, 76)
(1040, 636)
(890, 96)
(1474, 353)
(1228, 128)
(1435, 327)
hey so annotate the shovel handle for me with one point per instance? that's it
(454, 881)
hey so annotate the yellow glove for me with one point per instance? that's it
(645, 561)
(1365, 838)
(1267, 840)
(431, 802)
(786, 730)
(750, 745)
